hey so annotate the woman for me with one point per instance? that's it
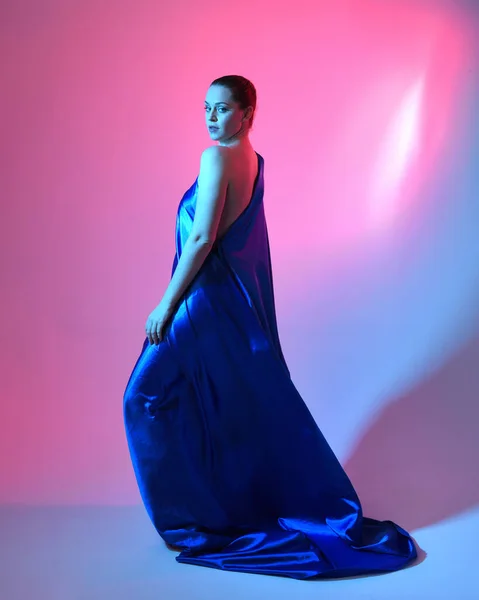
(231, 466)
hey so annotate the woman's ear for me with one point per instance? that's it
(248, 113)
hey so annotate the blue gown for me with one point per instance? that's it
(231, 466)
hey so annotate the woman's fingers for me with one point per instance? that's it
(154, 332)
(149, 335)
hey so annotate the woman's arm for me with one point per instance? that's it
(212, 184)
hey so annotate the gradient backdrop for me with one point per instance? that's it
(368, 122)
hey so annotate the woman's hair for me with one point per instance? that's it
(242, 91)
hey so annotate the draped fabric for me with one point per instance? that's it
(230, 464)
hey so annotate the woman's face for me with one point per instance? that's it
(223, 115)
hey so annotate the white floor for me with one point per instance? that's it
(113, 553)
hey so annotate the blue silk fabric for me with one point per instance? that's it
(231, 466)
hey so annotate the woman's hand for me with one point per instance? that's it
(156, 323)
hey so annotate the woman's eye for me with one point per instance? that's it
(221, 109)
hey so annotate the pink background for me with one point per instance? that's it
(367, 120)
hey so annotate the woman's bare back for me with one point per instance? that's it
(242, 173)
